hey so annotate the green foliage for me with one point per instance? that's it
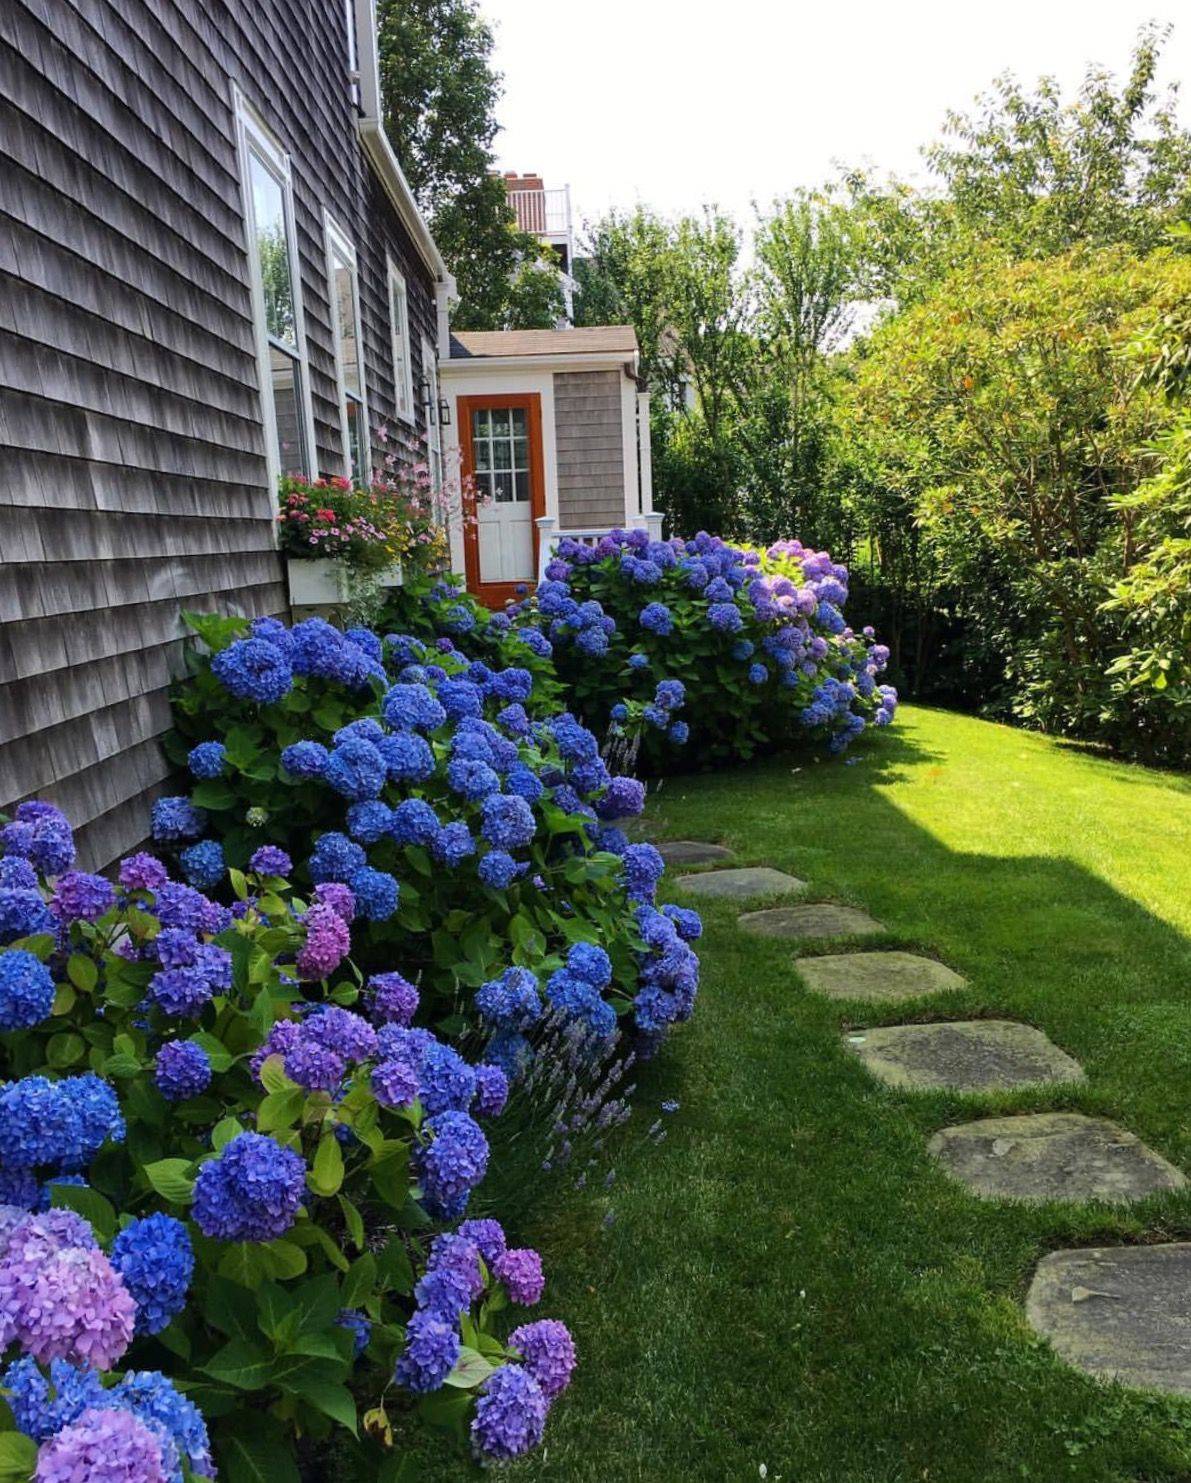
(1006, 412)
(441, 92)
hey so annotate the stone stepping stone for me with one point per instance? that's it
(1119, 1312)
(741, 884)
(876, 976)
(963, 1056)
(692, 852)
(1053, 1156)
(814, 919)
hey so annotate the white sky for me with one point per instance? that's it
(677, 102)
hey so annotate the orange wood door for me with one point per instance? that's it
(500, 439)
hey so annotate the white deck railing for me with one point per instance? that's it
(549, 536)
(545, 213)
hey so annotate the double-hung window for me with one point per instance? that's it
(433, 430)
(344, 288)
(403, 371)
(276, 298)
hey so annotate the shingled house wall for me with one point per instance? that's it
(134, 481)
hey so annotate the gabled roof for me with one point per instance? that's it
(603, 339)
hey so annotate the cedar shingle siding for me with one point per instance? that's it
(589, 435)
(134, 479)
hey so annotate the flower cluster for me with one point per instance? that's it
(251, 1191)
(760, 637)
(466, 1267)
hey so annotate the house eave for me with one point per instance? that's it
(595, 360)
(392, 177)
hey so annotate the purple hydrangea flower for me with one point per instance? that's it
(520, 1269)
(488, 1236)
(251, 1192)
(183, 992)
(107, 1445)
(431, 1349)
(305, 760)
(328, 941)
(492, 1091)
(142, 872)
(548, 1353)
(182, 1070)
(70, 1304)
(394, 998)
(394, 1083)
(510, 1416)
(79, 897)
(269, 860)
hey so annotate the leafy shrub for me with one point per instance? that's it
(241, 1169)
(472, 837)
(751, 646)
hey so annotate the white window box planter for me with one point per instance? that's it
(322, 583)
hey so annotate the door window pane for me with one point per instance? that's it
(272, 247)
(348, 320)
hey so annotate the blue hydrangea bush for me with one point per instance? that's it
(701, 650)
(475, 825)
(235, 1180)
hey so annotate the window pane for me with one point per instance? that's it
(347, 318)
(502, 488)
(481, 425)
(503, 454)
(500, 422)
(521, 486)
(268, 213)
(483, 451)
(518, 416)
(287, 404)
(355, 440)
(520, 453)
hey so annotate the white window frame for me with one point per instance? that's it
(339, 246)
(433, 430)
(353, 49)
(254, 138)
(403, 383)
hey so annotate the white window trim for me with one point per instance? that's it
(252, 136)
(407, 413)
(434, 441)
(339, 244)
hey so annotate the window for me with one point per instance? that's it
(433, 430)
(276, 298)
(344, 288)
(500, 447)
(403, 373)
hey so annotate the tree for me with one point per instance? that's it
(1006, 412)
(440, 94)
(1040, 176)
(804, 288)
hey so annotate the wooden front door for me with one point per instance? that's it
(501, 442)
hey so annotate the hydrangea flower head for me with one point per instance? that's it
(207, 760)
(254, 669)
(520, 1269)
(106, 1445)
(269, 860)
(547, 1352)
(431, 1348)
(182, 1070)
(251, 1192)
(510, 1415)
(175, 820)
(203, 864)
(26, 990)
(156, 1261)
(394, 998)
(79, 897)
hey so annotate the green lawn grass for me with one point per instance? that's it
(790, 1281)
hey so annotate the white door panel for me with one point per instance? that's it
(504, 504)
